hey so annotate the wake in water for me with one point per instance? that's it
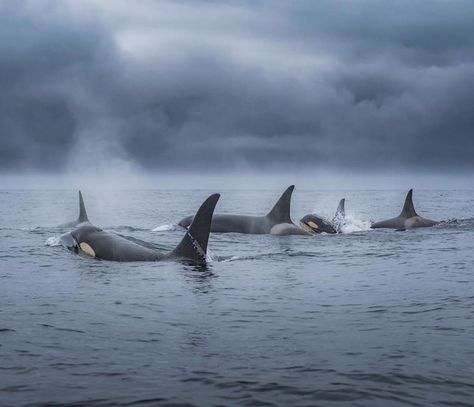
(126, 228)
(164, 228)
(268, 255)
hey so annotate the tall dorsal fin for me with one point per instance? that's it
(82, 210)
(193, 246)
(408, 209)
(341, 211)
(281, 211)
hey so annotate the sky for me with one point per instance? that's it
(217, 87)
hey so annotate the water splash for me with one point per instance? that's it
(352, 223)
(209, 256)
(163, 228)
(349, 223)
(53, 241)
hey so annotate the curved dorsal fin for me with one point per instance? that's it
(82, 210)
(193, 246)
(280, 213)
(408, 209)
(340, 211)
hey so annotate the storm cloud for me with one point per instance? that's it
(216, 85)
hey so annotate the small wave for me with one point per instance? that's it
(466, 223)
(225, 259)
(122, 228)
(232, 258)
(450, 221)
(25, 229)
(39, 230)
(53, 241)
(163, 228)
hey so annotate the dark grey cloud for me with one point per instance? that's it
(48, 61)
(227, 85)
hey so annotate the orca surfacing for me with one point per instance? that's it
(317, 224)
(276, 222)
(97, 243)
(407, 219)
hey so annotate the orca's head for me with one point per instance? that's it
(82, 233)
(315, 224)
(83, 237)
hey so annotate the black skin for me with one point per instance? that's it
(317, 224)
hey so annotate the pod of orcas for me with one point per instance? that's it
(89, 240)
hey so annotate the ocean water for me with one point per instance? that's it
(364, 318)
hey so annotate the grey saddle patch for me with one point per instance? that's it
(407, 219)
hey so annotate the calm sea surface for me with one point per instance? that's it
(365, 318)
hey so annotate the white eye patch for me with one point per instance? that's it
(87, 249)
(313, 225)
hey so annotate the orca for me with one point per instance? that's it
(317, 224)
(407, 219)
(94, 242)
(82, 218)
(276, 222)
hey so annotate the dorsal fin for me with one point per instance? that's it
(194, 244)
(281, 211)
(341, 211)
(82, 210)
(408, 209)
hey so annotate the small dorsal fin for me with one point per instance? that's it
(408, 209)
(82, 210)
(341, 211)
(280, 213)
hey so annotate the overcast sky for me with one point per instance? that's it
(236, 85)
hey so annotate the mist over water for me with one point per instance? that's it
(366, 317)
(123, 178)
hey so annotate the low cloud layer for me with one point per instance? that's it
(205, 85)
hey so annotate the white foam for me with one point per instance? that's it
(231, 259)
(162, 228)
(53, 241)
(209, 256)
(352, 223)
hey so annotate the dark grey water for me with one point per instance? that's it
(365, 318)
